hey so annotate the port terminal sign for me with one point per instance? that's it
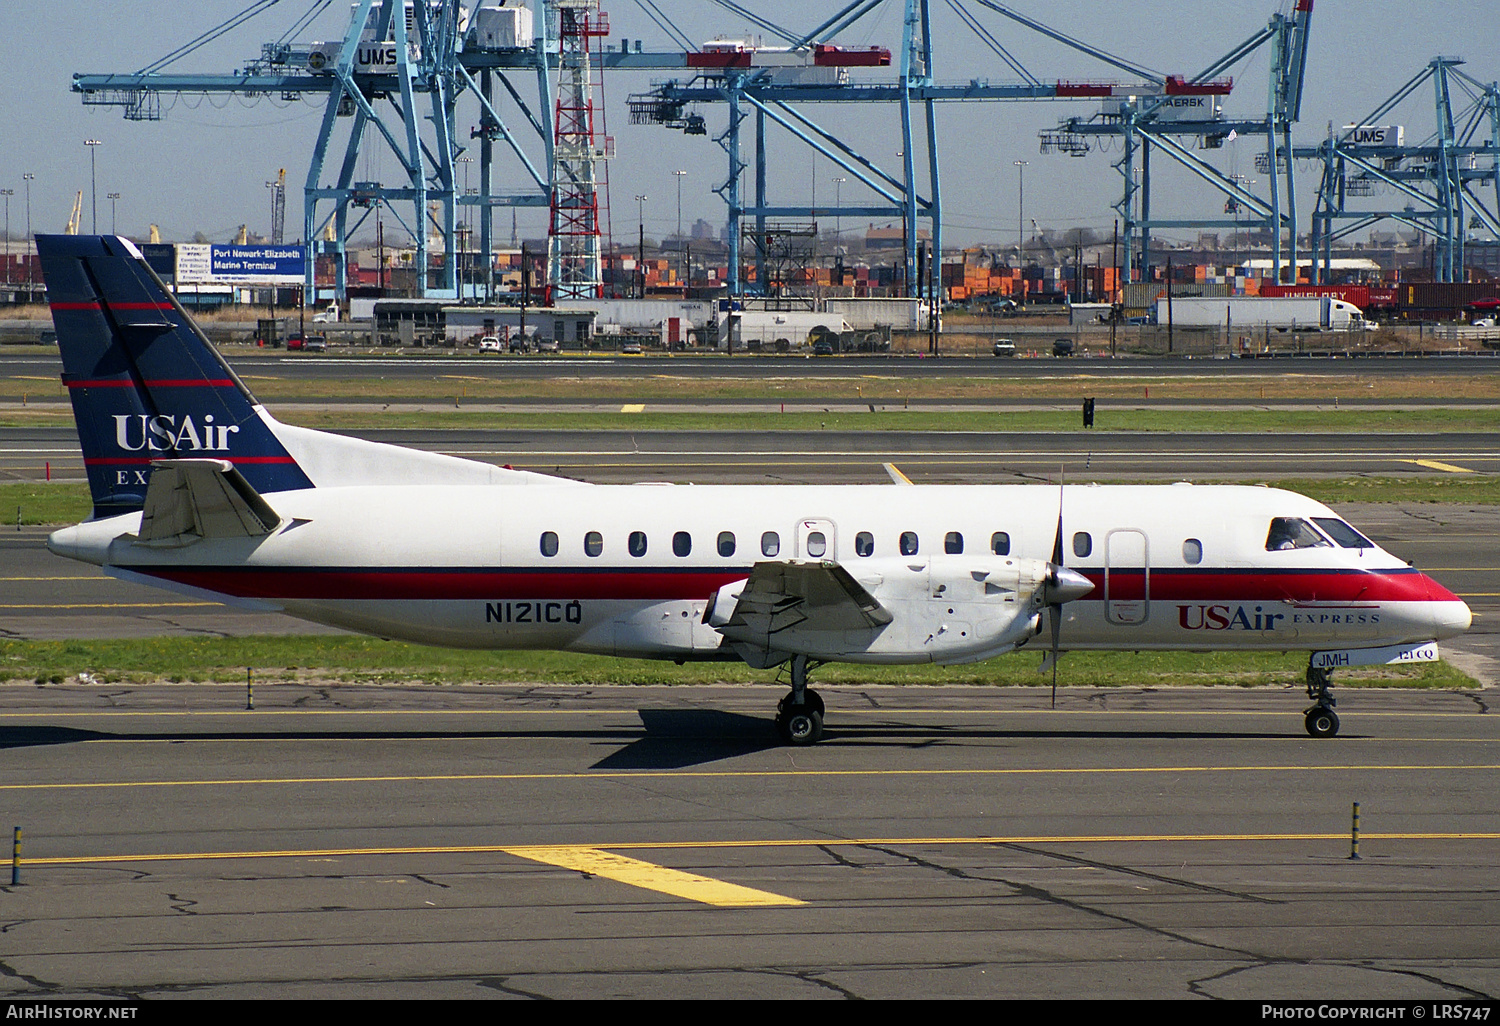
(208, 264)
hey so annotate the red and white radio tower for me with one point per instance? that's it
(574, 267)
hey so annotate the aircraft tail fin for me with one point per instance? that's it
(145, 383)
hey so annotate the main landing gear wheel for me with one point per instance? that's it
(800, 724)
(799, 716)
(1321, 720)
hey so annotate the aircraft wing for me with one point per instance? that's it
(189, 500)
(781, 600)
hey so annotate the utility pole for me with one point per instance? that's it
(1116, 295)
(1021, 212)
(640, 263)
(838, 199)
(93, 144)
(464, 231)
(113, 224)
(7, 193)
(27, 177)
(1169, 306)
(679, 175)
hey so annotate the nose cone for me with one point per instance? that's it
(1450, 615)
(1450, 619)
(1067, 585)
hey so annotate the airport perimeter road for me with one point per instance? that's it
(856, 457)
(641, 842)
(340, 365)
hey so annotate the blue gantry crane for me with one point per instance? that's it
(1188, 109)
(1436, 180)
(1149, 114)
(395, 78)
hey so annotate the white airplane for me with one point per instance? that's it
(197, 488)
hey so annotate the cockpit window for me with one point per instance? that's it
(1346, 536)
(1294, 533)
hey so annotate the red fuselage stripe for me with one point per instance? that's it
(348, 583)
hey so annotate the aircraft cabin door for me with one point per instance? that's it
(1127, 577)
(817, 539)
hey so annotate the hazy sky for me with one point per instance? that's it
(203, 168)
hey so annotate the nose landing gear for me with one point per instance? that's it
(1321, 720)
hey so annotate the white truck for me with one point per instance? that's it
(1301, 313)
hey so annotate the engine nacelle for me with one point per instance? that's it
(955, 609)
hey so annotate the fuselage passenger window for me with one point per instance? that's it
(549, 543)
(593, 543)
(770, 544)
(1000, 543)
(953, 543)
(1083, 544)
(817, 544)
(682, 543)
(726, 543)
(1192, 552)
(908, 543)
(864, 544)
(636, 546)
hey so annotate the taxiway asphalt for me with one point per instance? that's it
(840, 456)
(643, 842)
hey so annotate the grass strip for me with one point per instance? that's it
(335, 659)
(32, 503)
(1155, 421)
(67, 502)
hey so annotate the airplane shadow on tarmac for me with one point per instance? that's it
(666, 738)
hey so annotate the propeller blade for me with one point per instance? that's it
(1056, 619)
(1059, 589)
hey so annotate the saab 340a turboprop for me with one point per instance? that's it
(197, 488)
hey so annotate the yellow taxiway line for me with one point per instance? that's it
(426, 778)
(602, 860)
(110, 605)
(1435, 465)
(651, 877)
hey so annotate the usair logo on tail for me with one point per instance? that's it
(164, 433)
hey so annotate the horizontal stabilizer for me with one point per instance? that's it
(190, 500)
(780, 599)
